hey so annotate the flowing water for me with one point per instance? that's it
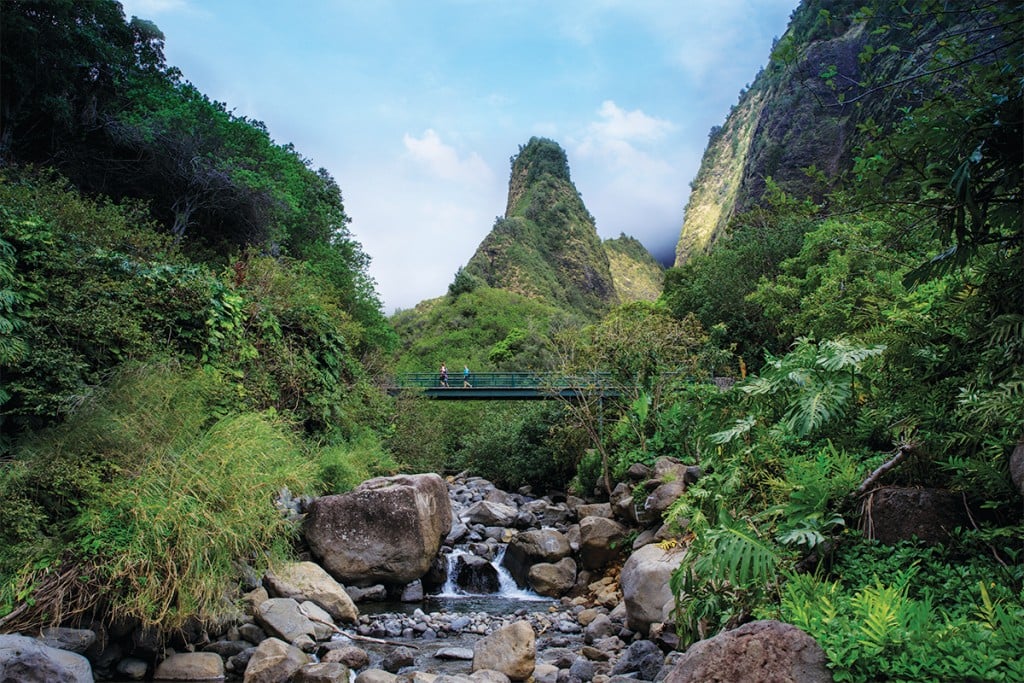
(509, 599)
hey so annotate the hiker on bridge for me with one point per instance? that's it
(444, 375)
(465, 376)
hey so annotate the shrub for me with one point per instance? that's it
(880, 618)
(144, 500)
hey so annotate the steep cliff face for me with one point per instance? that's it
(637, 275)
(546, 246)
(798, 122)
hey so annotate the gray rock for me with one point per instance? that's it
(274, 661)
(388, 530)
(1017, 467)
(490, 514)
(76, 640)
(553, 580)
(531, 547)
(190, 666)
(412, 592)
(512, 650)
(376, 593)
(559, 657)
(282, 618)
(599, 539)
(474, 574)
(239, 662)
(457, 653)
(351, 656)
(638, 471)
(227, 648)
(398, 658)
(601, 627)
(894, 513)
(545, 673)
(642, 657)
(375, 676)
(583, 669)
(303, 581)
(485, 676)
(645, 585)
(26, 660)
(322, 672)
(595, 510)
(753, 653)
(252, 633)
(662, 497)
(132, 669)
(458, 532)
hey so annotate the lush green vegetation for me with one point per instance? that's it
(170, 340)
(637, 275)
(186, 328)
(891, 320)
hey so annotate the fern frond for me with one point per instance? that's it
(879, 608)
(741, 427)
(736, 554)
(823, 402)
(840, 354)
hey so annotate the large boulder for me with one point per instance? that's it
(600, 539)
(27, 660)
(645, 590)
(753, 653)
(531, 547)
(512, 650)
(191, 666)
(894, 513)
(388, 530)
(303, 581)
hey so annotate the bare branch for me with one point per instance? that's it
(902, 452)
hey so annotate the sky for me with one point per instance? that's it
(416, 107)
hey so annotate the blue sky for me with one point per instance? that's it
(416, 106)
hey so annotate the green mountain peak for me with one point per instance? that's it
(546, 246)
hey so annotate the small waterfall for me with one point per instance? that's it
(507, 585)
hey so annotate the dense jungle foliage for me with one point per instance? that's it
(186, 326)
(188, 332)
(891, 317)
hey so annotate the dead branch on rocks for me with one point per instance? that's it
(902, 451)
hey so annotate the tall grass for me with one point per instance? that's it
(147, 498)
(168, 539)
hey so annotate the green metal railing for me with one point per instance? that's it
(498, 380)
(502, 385)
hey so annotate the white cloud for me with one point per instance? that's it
(619, 124)
(443, 160)
(617, 137)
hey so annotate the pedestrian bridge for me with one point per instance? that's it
(502, 386)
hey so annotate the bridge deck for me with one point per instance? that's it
(503, 386)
